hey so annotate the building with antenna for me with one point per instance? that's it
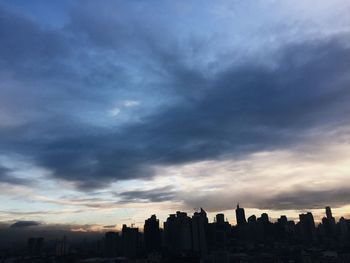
(240, 215)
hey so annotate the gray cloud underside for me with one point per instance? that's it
(110, 226)
(21, 224)
(7, 177)
(302, 199)
(243, 110)
(153, 195)
(240, 109)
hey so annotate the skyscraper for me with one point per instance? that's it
(282, 220)
(177, 233)
(220, 218)
(199, 232)
(131, 241)
(329, 215)
(252, 219)
(343, 232)
(152, 237)
(329, 225)
(307, 227)
(240, 216)
(264, 218)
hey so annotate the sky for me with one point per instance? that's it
(111, 111)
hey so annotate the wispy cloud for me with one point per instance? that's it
(131, 103)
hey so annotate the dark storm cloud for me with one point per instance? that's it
(306, 199)
(4, 171)
(51, 73)
(240, 109)
(6, 176)
(110, 226)
(301, 198)
(22, 224)
(24, 42)
(154, 195)
(246, 109)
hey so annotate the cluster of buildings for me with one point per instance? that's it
(194, 239)
(253, 239)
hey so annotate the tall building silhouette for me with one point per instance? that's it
(219, 232)
(264, 218)
(282, 220)
(152, 235)
(199, 232)
(240, 215)
(343, 232)
(307, 227)
(131, 241)
(220, 218)
(177, 233)
(329, 215)
(328, 226)
(252, 219)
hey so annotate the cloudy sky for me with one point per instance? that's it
(111, 111)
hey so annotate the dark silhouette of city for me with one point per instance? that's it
(193, 239)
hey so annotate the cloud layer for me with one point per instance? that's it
(21, 224)
(118, 90)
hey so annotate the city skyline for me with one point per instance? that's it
(111, 109)
(230, 216)
(238, 213)
(188, 238)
